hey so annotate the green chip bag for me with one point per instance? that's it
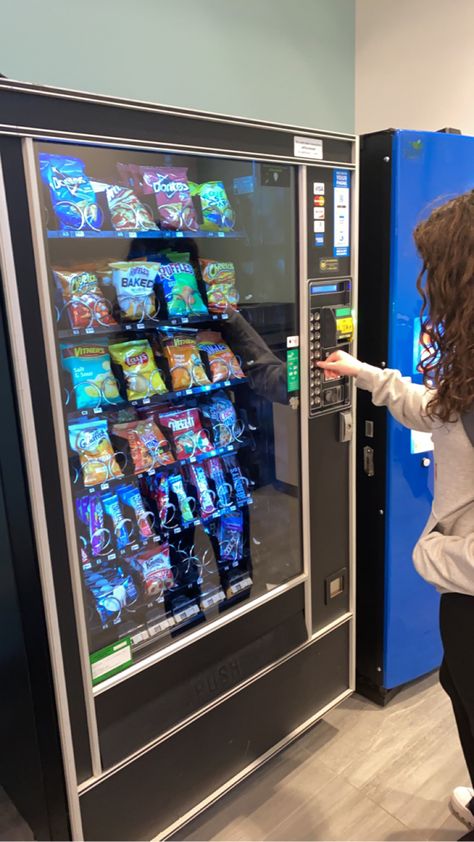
(181, 290)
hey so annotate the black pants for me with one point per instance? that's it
(457, 673)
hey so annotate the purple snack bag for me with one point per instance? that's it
(230, 534)
(91, 512)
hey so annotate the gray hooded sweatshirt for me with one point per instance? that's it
(444, 554)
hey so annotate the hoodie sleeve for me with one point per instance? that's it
(446, 561)
(406, 401)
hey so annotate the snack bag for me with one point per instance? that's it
(176, 485)
(215, 472)
(126, 210)
(72, 195)
(216, 210)
(131, 497)
(239, 482)
(122, 526)
(90, 512)
(158, 489)
(142, 376)
(205, 496)
(111, 591)
(181, 290)
(148, 446)
(92, 380)
(184, 361)
(90, 439)
(220, 412)
(173, 198)
(220, 285)
(134, 284)
(230, 534)
(129, 175)
(84, 300)
(188, 436)
(222, 361)
(153, 569)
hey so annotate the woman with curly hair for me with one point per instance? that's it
(443, 406)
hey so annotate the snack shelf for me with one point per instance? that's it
(159, 234)
(80, 490)
(145, 324)
(156, 400)
(160, 626)
(144, 543)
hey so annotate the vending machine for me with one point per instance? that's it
(404, 176)
(171, 280)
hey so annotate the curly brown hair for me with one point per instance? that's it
(445, 242)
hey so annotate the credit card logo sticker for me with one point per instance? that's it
(318, 200)
(318, 213)
(318, 226)
(319, 239)
(318, 188)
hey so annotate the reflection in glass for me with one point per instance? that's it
(173, 288)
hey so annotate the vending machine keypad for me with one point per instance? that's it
(330, 329)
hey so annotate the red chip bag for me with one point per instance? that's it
(186, 431)
(173, 198)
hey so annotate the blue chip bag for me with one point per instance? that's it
(93, 383)
(73, 197)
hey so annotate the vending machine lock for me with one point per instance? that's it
(345, 425)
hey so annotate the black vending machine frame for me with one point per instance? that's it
(127, 776)
(374, 297)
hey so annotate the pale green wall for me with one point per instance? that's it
(289, 61)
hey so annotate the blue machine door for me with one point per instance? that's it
(428, 169)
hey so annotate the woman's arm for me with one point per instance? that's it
(446, 561)
(406, 401)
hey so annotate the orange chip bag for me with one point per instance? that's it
(219, 278)
(90, 439)
(148, 445)
(184, 360)
(222, 361)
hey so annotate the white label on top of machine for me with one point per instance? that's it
(308, 147)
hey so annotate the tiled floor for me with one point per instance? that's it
(364, 773)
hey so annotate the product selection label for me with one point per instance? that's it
(341, 184)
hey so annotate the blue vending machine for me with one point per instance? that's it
(404, 175)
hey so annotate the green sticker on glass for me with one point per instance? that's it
(293, 369)
(111, 660)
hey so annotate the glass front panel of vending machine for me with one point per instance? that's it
(172, 284)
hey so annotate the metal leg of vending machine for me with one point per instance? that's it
(171, 284)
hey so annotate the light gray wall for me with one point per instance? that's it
(414, 64)
(288, 61)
